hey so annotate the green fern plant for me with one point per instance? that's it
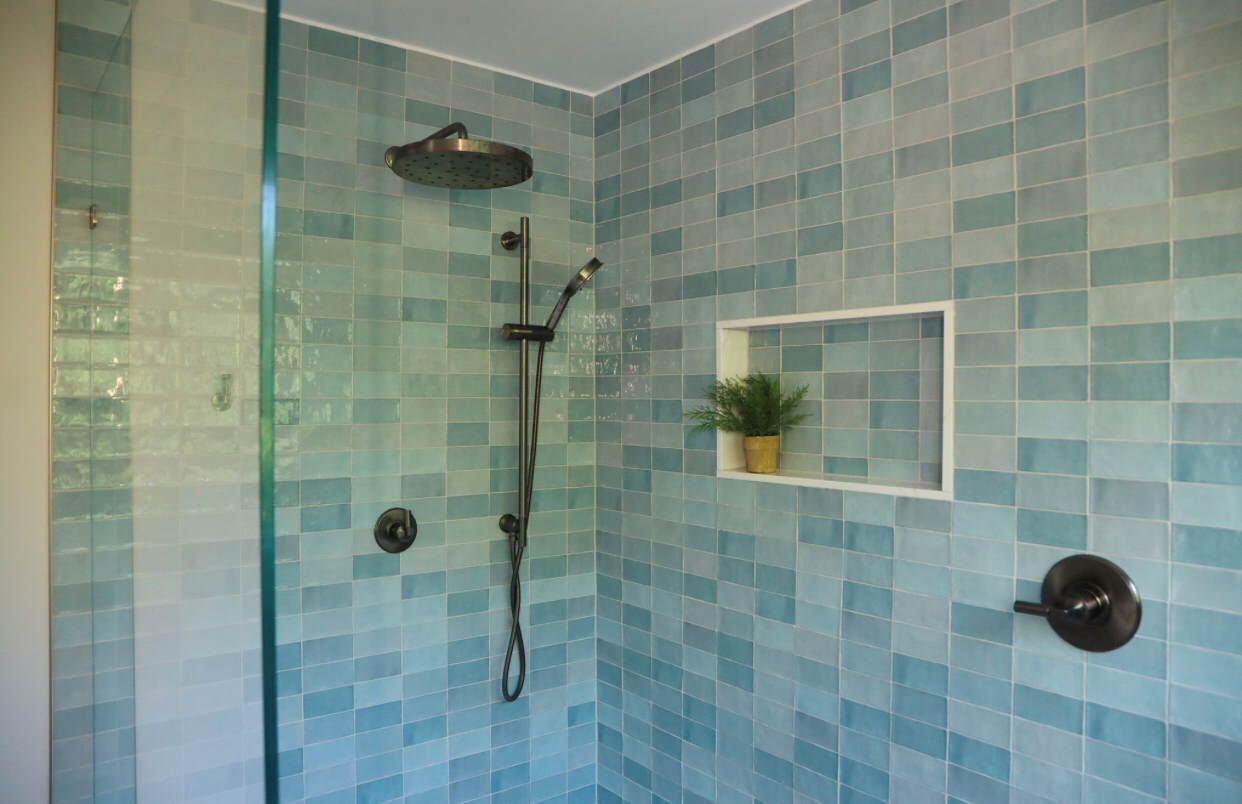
(753, 405)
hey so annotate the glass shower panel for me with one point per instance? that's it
(157, 655)
(194, 266)
(92, 600)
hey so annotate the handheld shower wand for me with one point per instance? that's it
(515, 526)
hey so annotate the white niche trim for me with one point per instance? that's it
(733, 360)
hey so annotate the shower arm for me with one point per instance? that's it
(448, 131)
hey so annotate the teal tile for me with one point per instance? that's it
(1052, 455)
(1064, 309)
(1121, 266)
(984, 213)
(1067, 383)
(986, 349)
(988, 109)
(986, 418)
(1197, 340)
(868, 170)
(986, 143)
(977, 281)
(1136, 381)
(965, 15)
(1050, 92)
(1130, 343)
(891, 415)
(1145, 184)
(1219, 422)
(920, 31)
(1128, 71)
(995, 488)
(381, 55)
(1137, 107)
(328, 224)
(1053, 347)
(332, 43)
(818, 239)
(1130, 498)
(1129, 148)
(1207, 256)
(1051, 128)
(1047, 21)
(1052, 237)
(1210, 173)
(921, 94)
(925, 157)
(1207, 463)
(1099, 10)
(1051, 528)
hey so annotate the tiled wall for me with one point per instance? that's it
(873, 397)
(395, 390)
(1067, 172)
(1070, 173)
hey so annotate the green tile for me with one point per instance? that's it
(1052, 237)
(1129, 498)
(1207, 463)
(1135, 381)
(1129, 343)
(984, 213)
(1066, 308)
(1047, 21)
(1098, 10)
(920, 31)
(1053, 382)
(1050, 92)
(1134, 264)
(1207, 256)
(328, 224)
(1128, 148)
(1197, 340)
(988, 109)
(1059, 456)
(1128, 71)
(332, 43)
(1054, 346)
(1137, 107)
(1051, 128)
(1207, 174)
(967, 14)
(986, 143)
(986, 349)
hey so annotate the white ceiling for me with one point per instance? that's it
(584, 45)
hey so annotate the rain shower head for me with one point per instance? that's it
(459, 164)
(575, 284)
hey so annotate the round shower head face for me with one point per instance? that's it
(460, 164)
(583, 276)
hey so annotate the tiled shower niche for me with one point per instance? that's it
(876, 400)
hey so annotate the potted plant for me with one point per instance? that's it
(756, 407)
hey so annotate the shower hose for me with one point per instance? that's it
(517, 546)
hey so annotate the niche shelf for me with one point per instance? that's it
(881, 397)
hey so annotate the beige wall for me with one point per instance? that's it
(27, 58)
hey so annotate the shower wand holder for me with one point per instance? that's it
(1090, 602)
(526, 332)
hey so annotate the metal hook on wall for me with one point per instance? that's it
(222, 400)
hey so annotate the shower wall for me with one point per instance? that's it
(394, 389)
(1070, 173)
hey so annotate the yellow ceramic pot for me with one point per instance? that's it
(761, 453)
